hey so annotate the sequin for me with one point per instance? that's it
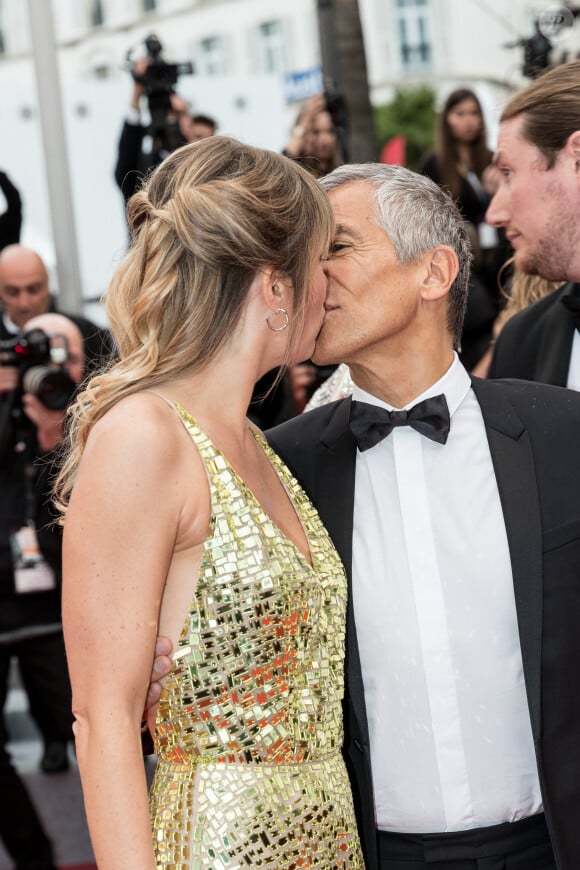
(249, 727)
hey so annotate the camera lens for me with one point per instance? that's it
(54, 389)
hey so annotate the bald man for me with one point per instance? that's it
(24, 289)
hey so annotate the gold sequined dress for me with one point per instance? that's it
(249, 727)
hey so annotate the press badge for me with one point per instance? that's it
(31, 572)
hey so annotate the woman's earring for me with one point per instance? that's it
(279, 312)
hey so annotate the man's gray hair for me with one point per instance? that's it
(417, 216)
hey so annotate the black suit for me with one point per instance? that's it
(533, 432)
(132, 164)
(536, 343)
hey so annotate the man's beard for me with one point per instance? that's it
(549, 261)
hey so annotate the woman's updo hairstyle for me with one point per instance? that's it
(211, 215)
(208, 218)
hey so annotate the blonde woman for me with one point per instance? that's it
(181, 521)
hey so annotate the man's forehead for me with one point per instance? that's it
(510, 133)
(350, 199)
(25, 275)
(514, 147)
(354, 210)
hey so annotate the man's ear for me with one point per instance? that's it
(441, 266)
(572, 148)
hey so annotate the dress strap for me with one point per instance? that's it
(205, 446)
(167, 400)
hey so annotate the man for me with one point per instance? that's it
(24, 288)
(30, 621)
(25, 293)
(538, 204)
(181, 127)
(25, 296)
(202, 126)
(11, 219)
(462, 716)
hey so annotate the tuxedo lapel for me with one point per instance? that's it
(337, 468)
(553, 359)
(513, 463)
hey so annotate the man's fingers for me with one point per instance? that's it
(163, 647)
(161, 667)
(153, 695)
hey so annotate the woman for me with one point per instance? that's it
(211, 543)
(461, 155)
(313, 139)
(462, 164)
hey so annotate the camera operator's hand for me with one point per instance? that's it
(8, 378)
(181, 112)
(49, 424)
(138, 70)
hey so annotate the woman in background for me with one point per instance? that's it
(462, 164)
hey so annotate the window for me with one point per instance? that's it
(271, 47)
(413, 24)
(212, 57)
(97, 16)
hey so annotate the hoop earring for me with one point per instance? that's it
(279, 312)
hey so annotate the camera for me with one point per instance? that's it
(158, 80)
(335, 104)
(41, 361)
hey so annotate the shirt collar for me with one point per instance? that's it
(455, 385)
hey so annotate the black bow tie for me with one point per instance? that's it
(370, 424)
(572, 303)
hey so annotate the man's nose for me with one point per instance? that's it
(496, 213)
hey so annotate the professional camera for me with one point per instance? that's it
(335, 103)
(41, 362)
(158, 80)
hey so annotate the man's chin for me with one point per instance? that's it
(549, 271)
(324, 356)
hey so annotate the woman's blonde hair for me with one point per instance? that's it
(210, 216)
(520, 290)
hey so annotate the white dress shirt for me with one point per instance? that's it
(573, 382)
(450, 733)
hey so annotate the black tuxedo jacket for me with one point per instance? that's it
(534, 437)
(536, 343)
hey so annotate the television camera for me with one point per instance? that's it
(159, 80)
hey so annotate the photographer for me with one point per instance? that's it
(172, 124)
(25, 293)
(30, 558)
(313, 140)
(11, 219)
